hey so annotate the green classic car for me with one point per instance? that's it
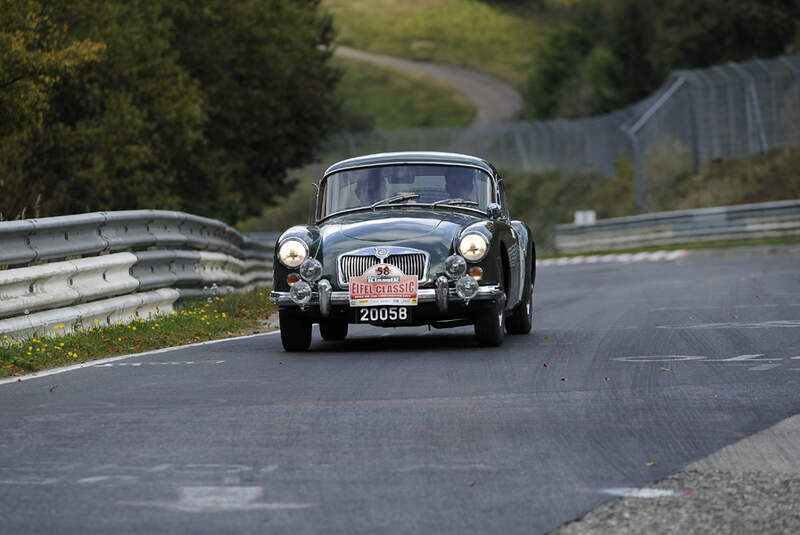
(406, 238)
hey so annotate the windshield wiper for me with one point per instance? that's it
(395, 198)
(451, 202)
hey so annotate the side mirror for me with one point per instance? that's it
(494, 211)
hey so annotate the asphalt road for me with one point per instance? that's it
(632, 372)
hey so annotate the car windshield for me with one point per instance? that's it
(391, 185)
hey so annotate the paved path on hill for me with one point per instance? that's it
(495, 100)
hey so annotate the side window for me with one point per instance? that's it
(503, 202)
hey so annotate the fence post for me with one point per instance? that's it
(714, 126)
(756, 111)
(731, 120)
(796, 76)
(776, 132)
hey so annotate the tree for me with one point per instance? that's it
(264, 67)
(199, 106)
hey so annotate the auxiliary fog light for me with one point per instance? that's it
(476, 273)
(292, 278)
(301, 293)
(466, 288)
(455, 266)
(310, 270)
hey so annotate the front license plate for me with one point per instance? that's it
(379, 315)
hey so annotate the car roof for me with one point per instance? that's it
(419, 157)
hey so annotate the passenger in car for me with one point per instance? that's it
(371, 187)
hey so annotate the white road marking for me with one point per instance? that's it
(658, 358)
(775, 324)
(631, 492)
(742, 357)
(100, 479)
(31, 480)
(170, 363)
(418, 467)
(718, 307)
(747, 360)
(92, 363)
(690, 309)
(221, 499)
(763, 367)
(619, 258)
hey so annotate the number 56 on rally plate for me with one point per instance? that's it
(383, 284)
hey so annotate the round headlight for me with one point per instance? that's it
(310, 270)
(473, 246)
(455, 266)
(292, 252)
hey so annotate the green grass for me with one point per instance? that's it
(387, 98)
(500, 40)
(196, 321)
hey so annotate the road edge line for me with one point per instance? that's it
(91, 363)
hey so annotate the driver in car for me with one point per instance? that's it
(458, 183)
(371, 188)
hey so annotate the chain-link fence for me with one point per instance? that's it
(729, 110)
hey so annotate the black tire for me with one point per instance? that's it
(295, 331)
(332, 330)
(489, 324)
(519, 322)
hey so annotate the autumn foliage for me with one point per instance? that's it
(176, 104)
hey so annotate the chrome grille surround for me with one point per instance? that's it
(409, 261)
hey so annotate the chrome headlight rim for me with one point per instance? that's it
(280, 254)
(466, 254)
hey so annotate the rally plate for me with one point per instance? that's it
(381, 285)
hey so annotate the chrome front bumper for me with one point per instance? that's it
(424, 295)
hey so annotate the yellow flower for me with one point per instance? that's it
(134, 327)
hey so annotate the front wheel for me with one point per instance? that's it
(332, 330)
(521, 319)
(489, 326)
(295, 331)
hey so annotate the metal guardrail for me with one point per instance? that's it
(763, 220)
(63, 272)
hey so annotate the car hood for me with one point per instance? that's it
(430, 231)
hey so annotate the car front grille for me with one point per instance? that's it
(356, 265)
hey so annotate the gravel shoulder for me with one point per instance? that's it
(752, 486)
